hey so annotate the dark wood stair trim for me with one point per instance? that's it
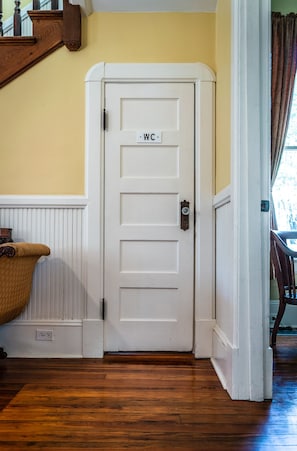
(17, 40)
(51, 30)
(71, 26)
(50, 14)
(16, 59)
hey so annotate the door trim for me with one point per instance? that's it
(251, 368)
(204, 81)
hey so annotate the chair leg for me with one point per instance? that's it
(3, 354)
(279, 316)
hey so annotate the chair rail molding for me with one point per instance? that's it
(223, 197)
(43, 201)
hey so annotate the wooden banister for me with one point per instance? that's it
(1, 15)
(17, 22)
(54, 4)
(71, 26)
(51, 30)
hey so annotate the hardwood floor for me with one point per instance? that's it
(165, 402)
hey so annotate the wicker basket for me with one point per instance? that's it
(17, 263)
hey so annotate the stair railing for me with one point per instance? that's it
(20, 23)
(1, 15)
(51, 30)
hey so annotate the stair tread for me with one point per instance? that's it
(17, 40)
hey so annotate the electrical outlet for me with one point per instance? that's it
(44, 335)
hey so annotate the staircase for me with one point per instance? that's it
(51, 29)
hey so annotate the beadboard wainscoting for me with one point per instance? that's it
(59, 292)
(223, 333)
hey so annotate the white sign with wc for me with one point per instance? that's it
(154, 136)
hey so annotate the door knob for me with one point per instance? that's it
(184, 214)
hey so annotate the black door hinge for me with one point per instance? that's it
(265, 205)
(104, 119)
(103, 309)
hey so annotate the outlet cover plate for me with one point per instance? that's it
(44, 335)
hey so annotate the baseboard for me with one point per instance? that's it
(93, 338)
(203, 338)
(18, 338)
(222, 355)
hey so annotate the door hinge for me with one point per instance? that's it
(265, 205)
(104, 119)
(103, 309)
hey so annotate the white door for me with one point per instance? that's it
(149, 259)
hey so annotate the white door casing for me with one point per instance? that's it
(251, 366)
(149, 259)
(203, 79)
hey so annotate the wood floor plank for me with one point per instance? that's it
(141, 402)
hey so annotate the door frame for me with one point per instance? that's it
(204, 81)
(251, 371)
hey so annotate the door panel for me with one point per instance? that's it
(149, 209)
(149, 170)
(152, 162)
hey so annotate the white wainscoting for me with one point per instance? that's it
(223, 333)
(58, 297)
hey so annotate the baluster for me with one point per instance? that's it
(1, 23)
(54, 4)
(17, 24)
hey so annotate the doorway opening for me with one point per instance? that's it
(202, 78)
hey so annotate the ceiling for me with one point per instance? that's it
(90, 6)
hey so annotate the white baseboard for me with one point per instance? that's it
(93, 338)
(203, 338)
(222, 358)
(18, 338)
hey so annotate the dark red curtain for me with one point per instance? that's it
(283, 70)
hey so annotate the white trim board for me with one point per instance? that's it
(23, 201)
(204, 79)
(245, 362)
(18, 338)
(90, 6)
(222, 198)
(250, 137)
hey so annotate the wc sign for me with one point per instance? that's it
(152, 136)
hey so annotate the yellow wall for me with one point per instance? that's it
(42, 112)
(223, 94)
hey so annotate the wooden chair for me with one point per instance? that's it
(282, 258)
(17, 263)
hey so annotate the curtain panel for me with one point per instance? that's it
(283, 64)
(283, 70)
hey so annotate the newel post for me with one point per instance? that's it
(71, 26)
